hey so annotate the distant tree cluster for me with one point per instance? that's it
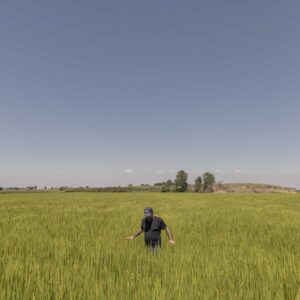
(198, 184)
(181, 181)
(208, 182)
(31, 188)
(180, 185)
(202, 184)
(115, 189)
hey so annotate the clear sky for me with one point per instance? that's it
(116, 92)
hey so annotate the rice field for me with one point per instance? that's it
(72, 246)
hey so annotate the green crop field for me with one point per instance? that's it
(72, 246)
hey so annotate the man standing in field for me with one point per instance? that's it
(152, 226)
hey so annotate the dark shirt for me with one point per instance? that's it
(152, 229)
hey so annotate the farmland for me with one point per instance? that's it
(60, 245)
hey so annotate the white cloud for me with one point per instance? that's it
(237, 171)
(128, 171)
(218, 171)
(160, 172)
(171, 170)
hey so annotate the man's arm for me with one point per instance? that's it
(170, 236)
(135, 235)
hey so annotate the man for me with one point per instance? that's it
(152, 226)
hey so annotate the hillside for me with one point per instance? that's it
(251, 188)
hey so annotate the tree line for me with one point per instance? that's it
(202, 184)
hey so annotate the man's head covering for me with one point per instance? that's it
(148, 212)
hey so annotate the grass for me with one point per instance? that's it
(72, 246)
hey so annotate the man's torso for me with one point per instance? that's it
(152, 229)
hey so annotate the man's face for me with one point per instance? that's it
(149, 217)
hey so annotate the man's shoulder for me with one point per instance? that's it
(157, 218)
(160, 222)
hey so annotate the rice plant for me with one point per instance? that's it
(72, 246)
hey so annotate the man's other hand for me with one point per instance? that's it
(172, 242)
(130, 238)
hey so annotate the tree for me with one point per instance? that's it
(181, 181)
(198, 184)
(208, 182)
(169, 182)
(165, 188)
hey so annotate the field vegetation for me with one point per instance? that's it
(61, 245)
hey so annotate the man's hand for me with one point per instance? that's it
(170, 237)
(132, 237)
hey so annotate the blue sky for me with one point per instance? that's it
(116, 92)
